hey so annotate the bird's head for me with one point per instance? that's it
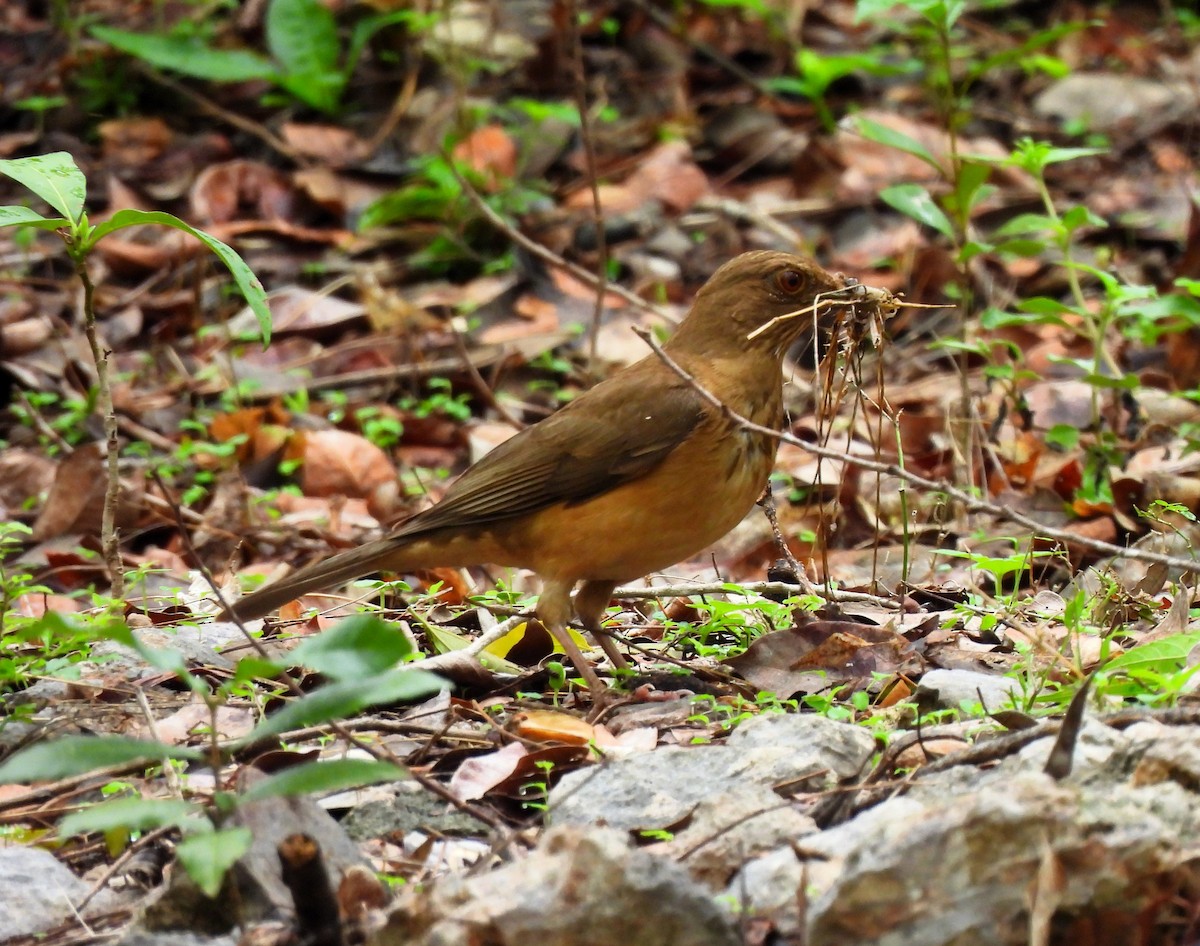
(763, 300)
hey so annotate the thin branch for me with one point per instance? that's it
(222, 114)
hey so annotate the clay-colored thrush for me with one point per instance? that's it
(635, 475)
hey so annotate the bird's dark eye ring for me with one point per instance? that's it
(790, 281)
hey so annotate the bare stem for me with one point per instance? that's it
(579, 81)
(110, 541)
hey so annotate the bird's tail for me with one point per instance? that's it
(392, 553)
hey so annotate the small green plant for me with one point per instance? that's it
(441, 399)
(434, 194)
(817, 72)
(14, 580)
(730, 626)
(50, 414)
(57, 180)
(1016, 565)
(535, 792)
(30, 646)
(307, 58)
(359, 656)
(557, 681)
(383, 430)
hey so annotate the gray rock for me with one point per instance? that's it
(1158, 753)
(580, 887)
(767, 887)
(1106, 101)
(725, 830)
(38, 891)
(955, 687)
(143, 938)
(928, 873)
(659, 790)
(411, 809)
(653, 791)
(840, 746)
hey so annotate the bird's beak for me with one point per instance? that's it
(879, 304)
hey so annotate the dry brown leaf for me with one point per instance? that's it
(927, 750)
(76, 500)
(235, 190)
(134, 140)
(551, 726)
(332, 145)
(24, 475)
(340, 463)
(668, 175)
(537, 317)
(341, 194)
(296, 309)
(181, 726)
(37, 605)
(820, 654)
(480, 774)
(491, 152)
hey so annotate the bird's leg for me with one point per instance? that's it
(590, 603)
(554, 611)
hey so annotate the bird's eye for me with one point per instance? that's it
(790, 281)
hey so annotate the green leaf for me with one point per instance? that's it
(1063, 436)
(323, 777)
(1023, 53)
(1026, 248)
(353, 649)
(208, 857)
(873, 131)
(444, 640)
(1024, 224)
(1058, 155)
(339, 700)
(133, 814)
(997, 318)
(973, 248)
(16, 216)
(252, 668)
(53, 177)
(969, 189)
(1126, 382)
(303, 36)
(1044, 305)
(75, 755)
(366, 28)
(1161, 656)
(189, 55)
(1080, 216)
(251, 289)
(915, 201)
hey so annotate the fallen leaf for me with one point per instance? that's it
(341, 463)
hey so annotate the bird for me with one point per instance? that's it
(638, 473)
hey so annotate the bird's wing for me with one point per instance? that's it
(606, 437)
